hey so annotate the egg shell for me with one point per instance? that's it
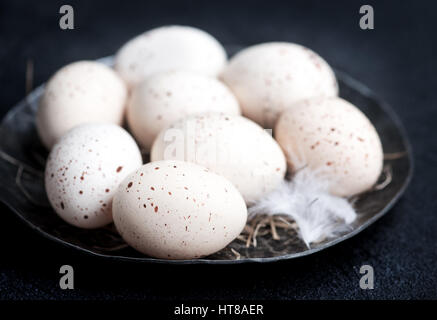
(232, 146)
(334, 137)
(166, 97)
(169, 48)
(267, 78)
(81, 92)
(178, 210)
(84, 169)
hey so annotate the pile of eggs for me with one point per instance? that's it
(203, 121)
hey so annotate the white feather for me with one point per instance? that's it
(318, 214)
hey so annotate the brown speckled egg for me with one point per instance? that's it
(267, 78)
(178, 210)
(166, 97)
(84, 170)
(81, 92)
(232, 146)
(334, 137)
(169, 48)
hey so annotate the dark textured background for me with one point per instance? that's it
(397, 60)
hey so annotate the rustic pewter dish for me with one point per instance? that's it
(22, 188)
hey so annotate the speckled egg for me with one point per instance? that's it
(232, 146)
(178, 210)
(269, 77)
(80, 92)
(84, 170)
(166, 97)
(334, 137)
(170, 48)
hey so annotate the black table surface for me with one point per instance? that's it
(397, 60)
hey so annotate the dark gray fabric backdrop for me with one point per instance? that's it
(397, 60)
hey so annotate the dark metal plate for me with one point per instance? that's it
(22, 188)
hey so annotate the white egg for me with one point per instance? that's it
(269, 77)
(80, 92)
(166, 97)
(335, 138)
(84, 170)
(170, 48)
(178, 210)
(232, 146)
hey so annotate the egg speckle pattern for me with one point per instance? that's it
(232, 146)
(178, 210)
(169, 48)
(166, 97)
(81, 92)
(269, 77)
(332, 136)
(84, 169)
(206, 124)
